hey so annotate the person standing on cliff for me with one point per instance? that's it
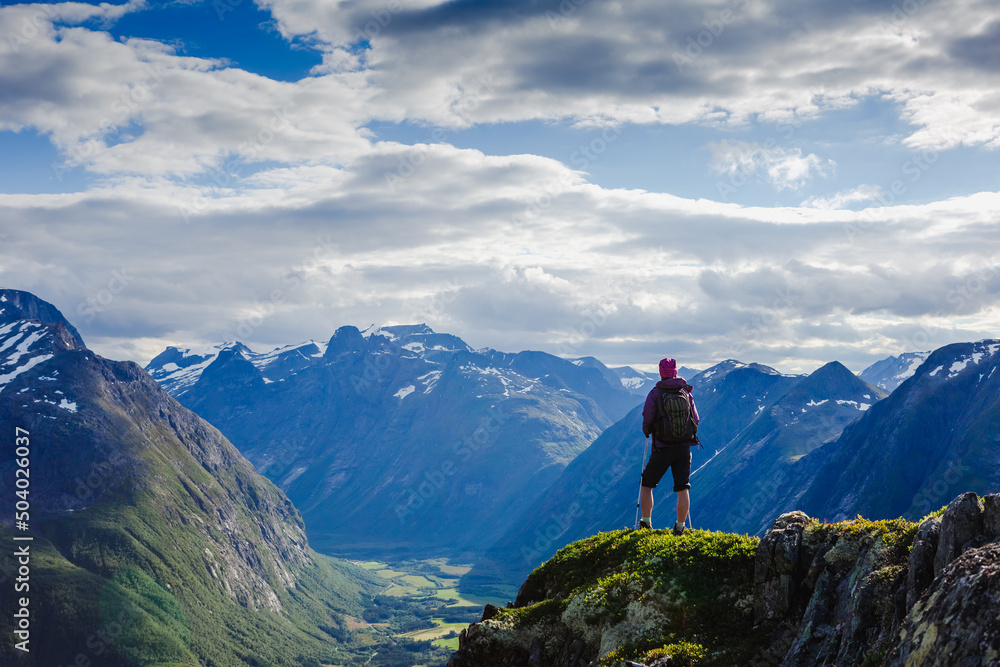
(671, 418)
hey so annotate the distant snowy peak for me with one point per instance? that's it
(640, 382)
(635, 381)
(178, 369)
(715, 374)
(893, 371)
(32, 331)
(833, 384)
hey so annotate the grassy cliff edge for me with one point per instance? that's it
(857, 592)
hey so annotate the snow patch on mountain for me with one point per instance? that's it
(982, 350)
(429, 380)
(405, 391)
(23, 345)
(633, 383)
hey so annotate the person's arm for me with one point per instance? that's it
(648, 413)
(694, 408)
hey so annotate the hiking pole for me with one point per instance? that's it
(638, 501)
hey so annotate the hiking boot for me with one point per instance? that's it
(644, 526)
(678, 529)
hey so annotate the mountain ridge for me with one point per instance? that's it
(140, 510)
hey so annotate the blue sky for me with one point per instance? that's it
(812, 182)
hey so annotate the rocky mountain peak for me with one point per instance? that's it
(891, 372)
(32, 331)
(16, 305)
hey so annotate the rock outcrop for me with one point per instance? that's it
(852, 593)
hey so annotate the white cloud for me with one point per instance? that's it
(783, 168)
(679, 62)
(293, 263)
(139, 107)
(346, 230)
(844, 198)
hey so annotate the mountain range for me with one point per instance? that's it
(765, 436)
(148, 538)
(936, 435)
(400, 440)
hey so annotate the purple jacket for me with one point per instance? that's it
(649, 410)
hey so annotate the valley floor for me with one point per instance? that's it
(416, 619)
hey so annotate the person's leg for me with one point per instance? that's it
(683, 505)
(680, 466)
(646, 501)
(651, 475)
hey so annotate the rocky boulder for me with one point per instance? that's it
(777, 566)
(961, 524)
(921, 561)
(956, 622)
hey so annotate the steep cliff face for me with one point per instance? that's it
(853, 593)
(152, 540)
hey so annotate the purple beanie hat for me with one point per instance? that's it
(668, 368)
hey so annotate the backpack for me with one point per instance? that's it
(674, 421)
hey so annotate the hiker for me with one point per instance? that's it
(676, 452)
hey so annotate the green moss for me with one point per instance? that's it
(657, 589)
(683, 653)
(895, 534)
(540, 612)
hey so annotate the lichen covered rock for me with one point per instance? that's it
(960, 524)
(956, 623)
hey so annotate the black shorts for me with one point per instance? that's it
(677, 458)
